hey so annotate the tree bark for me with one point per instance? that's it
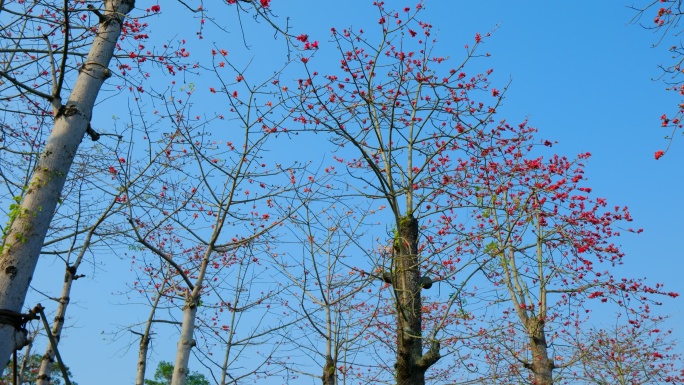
(47, 363)
(29, 223)
(186, 341)
(411, 365)
(542, 366)
(145, 339)
(329, 371)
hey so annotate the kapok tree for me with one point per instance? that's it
(208, 212)
(328, 292)
(628, 354)
(80, 227)
(664, 17)
(552, 252)
(404, 126)
(54, 60)
(50, 49)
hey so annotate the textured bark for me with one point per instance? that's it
(47, 363)
(411, 365)
(29, 225)
(542, 366)
(329, 371)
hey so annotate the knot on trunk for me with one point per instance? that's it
(425, 282)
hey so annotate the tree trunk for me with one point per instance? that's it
(186, 341)
(542, 366)
(142, 356)
(145, 339)
(329, 371)
(29, 224)
(48, 360)
(411, 365)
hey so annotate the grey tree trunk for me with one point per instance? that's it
(45, 371)
(30, 222)
(145, 339)
(186, 341)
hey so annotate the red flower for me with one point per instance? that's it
(155, 8)
(659, 154)
(264, 3)
(478, 38)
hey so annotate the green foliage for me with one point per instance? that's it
(492, 248)
(31, 373)
(165, 371)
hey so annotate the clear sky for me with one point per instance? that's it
(579, 70)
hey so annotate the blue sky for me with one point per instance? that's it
(579, 70)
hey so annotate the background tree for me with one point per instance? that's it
(629, 354)
(330, 292)
(29, 221)
(87, 223)
(51, 48)
(164, 373)
(208, 212)
(405, 130)
(663, 16)
(31, 372)
(552, 252)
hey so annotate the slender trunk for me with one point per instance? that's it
(542, 366)
(142, 356)
(23, 368)
(411, 365)
(233, 323)
(145, 339)
(48, 360)
(330, 368)
(47, 363)
(29, 223)
(192, 299)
